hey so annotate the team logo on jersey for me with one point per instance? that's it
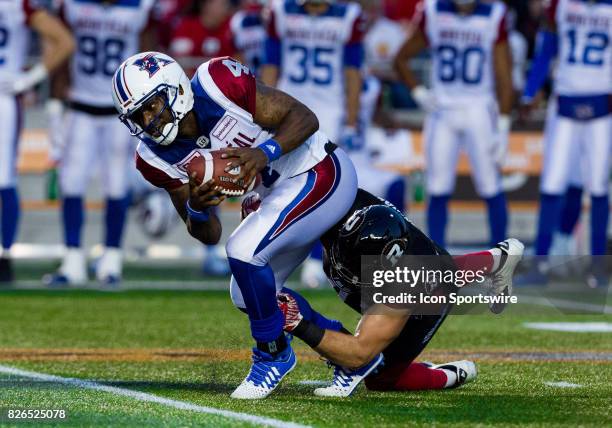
(203, 142)
(151, 64)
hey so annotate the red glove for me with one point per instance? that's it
(250, 204)
(290, 309)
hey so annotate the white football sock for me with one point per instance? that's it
(451, 378)
(496, 253)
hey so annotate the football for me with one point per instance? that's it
(209, 165)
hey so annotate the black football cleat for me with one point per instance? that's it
(6, 271)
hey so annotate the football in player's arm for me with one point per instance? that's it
(292, 121)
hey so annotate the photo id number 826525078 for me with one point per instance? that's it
(31, 414)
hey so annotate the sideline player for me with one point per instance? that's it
(203, 34)
(16, 19)
(307, 183)
(398, 334)
(249, 33)
(314, 52)
(383, 39)
(579, 127)
(106, 34)
(471, 64)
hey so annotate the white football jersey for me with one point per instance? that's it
(584, 30)
(381, 43)
(312, 52)
(106, 34)
(224, 105)
(249, 36)
(462, 50)
(14, 34)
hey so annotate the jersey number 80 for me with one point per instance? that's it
(454, 64)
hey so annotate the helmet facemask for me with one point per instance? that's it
(169, 131)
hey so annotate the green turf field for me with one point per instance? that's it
(192, 347)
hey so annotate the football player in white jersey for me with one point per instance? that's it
(307, 183)
(249, 33)
(106, 34)
(469, 103)
(314, 52)
(579, 34)
(383, 39)
(17, 17)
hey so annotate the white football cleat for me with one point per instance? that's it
(465, 370)
(346, 381)
(511, 254)
(73, 270)
(266, 374)
(110, 266)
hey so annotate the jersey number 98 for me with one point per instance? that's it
(99, 56)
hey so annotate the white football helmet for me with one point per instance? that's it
(144, 76)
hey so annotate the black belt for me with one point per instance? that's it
(330, 147)
(92, 110)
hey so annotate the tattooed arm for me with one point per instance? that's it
(291, 121)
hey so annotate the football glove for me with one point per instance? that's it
(29, 79)
(351, 139)
(250, 204)
(424, 98)
(290, 309)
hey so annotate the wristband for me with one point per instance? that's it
(272, 149)
(198, 216)
(309, 332)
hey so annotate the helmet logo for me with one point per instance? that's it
(352, 224)
(151, 64)
(394, 253)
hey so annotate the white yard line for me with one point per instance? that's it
(565, 304)
(563, 384)
(572, 327)
(163, 285)
(143, 396)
